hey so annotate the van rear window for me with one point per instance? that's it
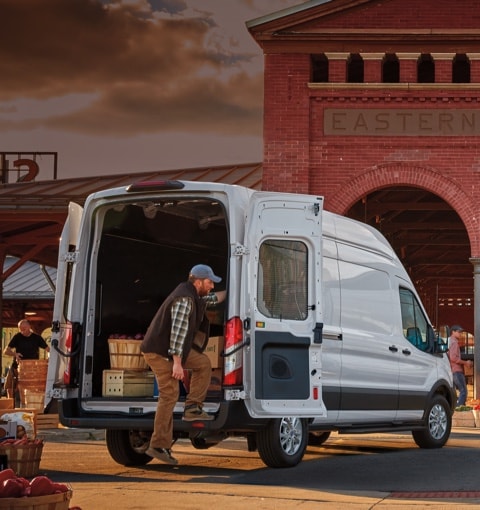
(282, 281)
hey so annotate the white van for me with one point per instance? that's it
(322, 329)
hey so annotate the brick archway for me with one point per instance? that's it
(384, 176)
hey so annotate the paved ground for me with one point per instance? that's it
(349, 472)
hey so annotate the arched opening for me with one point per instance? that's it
(355, 69)
(390, 68)
(461, 69)
(319, 68)
(431, 241)
(425, 69)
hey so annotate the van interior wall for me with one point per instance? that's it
(140, 262)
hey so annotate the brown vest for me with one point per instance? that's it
(157, 337)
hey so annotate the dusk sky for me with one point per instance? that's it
(120, 86)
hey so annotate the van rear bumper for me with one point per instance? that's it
(231, 417)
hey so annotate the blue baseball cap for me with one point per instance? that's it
(202, 271)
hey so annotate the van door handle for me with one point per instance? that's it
(407, 352)
(393, 348)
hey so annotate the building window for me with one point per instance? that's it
(390, 68)
(319, 68)
(355, 68)
(461, 69)
(425, 69)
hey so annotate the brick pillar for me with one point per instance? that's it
(372, 67)
(408, 67)
(443, 67)
(474, 67)
(337, 67)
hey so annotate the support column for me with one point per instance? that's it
(337, 67)
(408, 67)
(476, 326)
(372, 67)
(443, 67)
(474, 67)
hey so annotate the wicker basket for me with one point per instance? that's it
(59, 501)
(126, 355)
(23, 459)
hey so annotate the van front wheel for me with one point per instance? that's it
(438, 424)
(282, 442)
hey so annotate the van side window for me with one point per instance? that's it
(414, 323)
(282, 279)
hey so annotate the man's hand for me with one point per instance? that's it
(177, 371)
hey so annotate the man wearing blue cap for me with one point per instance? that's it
(457, 364)
(175, 340)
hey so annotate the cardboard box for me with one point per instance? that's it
(127, 383)
(8, 430)
(214, 350)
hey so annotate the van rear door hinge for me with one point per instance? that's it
(239, 250)
(70, 256)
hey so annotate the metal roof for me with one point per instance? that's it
(30, 281)
(285, 12)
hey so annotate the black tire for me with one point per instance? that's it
(318, 438)
(127, 447)
(438, 423)
(282, 443)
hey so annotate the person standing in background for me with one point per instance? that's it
(24, 345)
(457, 364)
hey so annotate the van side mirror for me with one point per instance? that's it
(441, 341)
(441, 344)
(436, 342)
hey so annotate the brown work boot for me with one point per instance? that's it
(194, 413)
(163, 454)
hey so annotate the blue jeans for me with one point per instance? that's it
(460, 384)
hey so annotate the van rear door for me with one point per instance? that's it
(282, 307)
(58, 363)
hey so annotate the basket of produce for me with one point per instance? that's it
(23, 455)
(40, 493)
(125, 354)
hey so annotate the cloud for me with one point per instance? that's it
(160, 71)
(123, 69)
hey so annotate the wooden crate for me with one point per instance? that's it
(127, 383)
(47, 421)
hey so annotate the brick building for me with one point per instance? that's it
(375, 104)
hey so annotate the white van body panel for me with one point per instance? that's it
(316, 324)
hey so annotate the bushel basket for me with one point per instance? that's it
(23, 459)
(60, 501)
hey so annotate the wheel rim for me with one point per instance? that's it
(291, 433)
(138, 441)
(437, 421)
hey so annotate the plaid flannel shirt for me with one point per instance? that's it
(180, 313)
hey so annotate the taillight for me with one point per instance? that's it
(233, 352)
(67, 374)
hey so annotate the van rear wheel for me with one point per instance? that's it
(127, 447)
(282, 442)
(438, 424)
